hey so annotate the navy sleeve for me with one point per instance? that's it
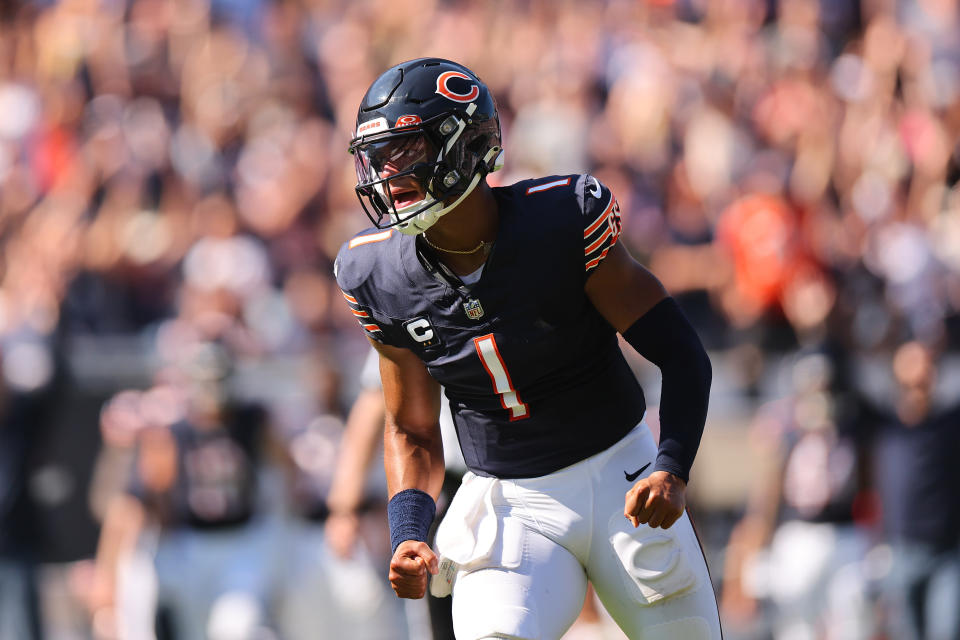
(665, 337)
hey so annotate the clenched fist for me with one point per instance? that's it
(410, 568)
(657, 500)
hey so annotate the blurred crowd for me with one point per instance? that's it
(174, 186)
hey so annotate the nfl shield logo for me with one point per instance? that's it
(473, 309)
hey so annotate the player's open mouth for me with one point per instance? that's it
(404, 195)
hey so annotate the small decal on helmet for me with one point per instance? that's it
(407, 121)
(372, 126)
(449, 93)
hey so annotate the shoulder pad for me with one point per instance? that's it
(364, 268)
(357, 260)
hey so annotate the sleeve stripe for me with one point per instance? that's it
(599, 259)
(362, 315)
(604, 231)
(598, 242)
(600, 219)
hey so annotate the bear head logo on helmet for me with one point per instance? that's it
(427, 133)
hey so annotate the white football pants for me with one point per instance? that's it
(524, 549)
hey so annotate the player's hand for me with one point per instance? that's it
(657, 500)
(94, 586)
(410, 568)
(341, 532)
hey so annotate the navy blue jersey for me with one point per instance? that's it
(534, 375)
(215, 483)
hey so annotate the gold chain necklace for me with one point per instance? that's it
(484, 245)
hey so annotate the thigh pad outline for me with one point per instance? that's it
(655, 563)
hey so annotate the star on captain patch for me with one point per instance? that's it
(473, 309)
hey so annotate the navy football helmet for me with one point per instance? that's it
(427, 133)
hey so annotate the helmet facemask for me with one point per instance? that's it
(407, 177)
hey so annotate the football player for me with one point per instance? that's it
(512, 298)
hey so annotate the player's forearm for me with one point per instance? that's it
(414, 464)
(684, 395)
(665, 337)
(413, 459)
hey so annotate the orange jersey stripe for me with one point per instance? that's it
(596, 223)
(370, 327)
(548, 185)
(598, 259)
(349, 298)
(360, 314)
(370, 238)
(599, 241)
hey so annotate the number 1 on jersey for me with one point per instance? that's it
(493, 363)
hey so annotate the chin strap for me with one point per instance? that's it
(492, 161)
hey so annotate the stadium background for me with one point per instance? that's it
(173, 173)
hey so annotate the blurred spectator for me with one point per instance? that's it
(798, 547)
(360, 458)
(194, 481)
(26, 386)
(332, 585)
(917, 474)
